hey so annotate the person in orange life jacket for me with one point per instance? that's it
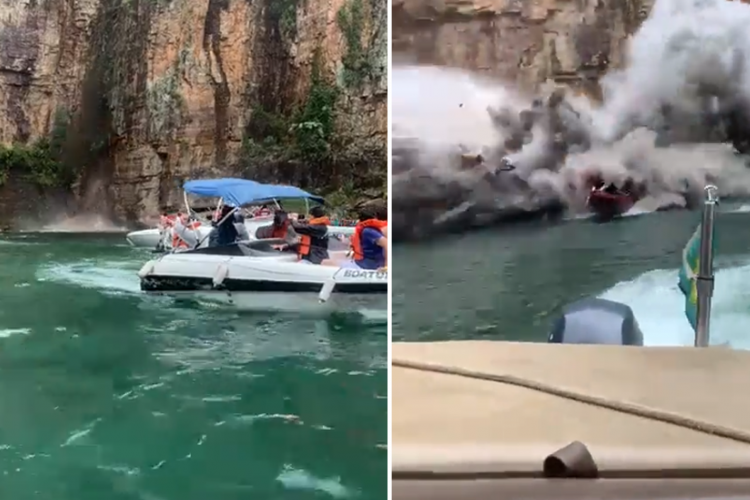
(369, 242)
(313, 236)
(166, 220)
(280, 228)
(184, 231)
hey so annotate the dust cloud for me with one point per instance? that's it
(76, 224)
(673, 119)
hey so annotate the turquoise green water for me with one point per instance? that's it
(107, 394)
(511, 283)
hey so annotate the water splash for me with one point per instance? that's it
(110, 277)
(77, 224)
(659, 306)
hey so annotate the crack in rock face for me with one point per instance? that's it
(468, 152)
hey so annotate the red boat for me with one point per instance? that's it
(607, 201)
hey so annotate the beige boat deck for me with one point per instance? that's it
(479, 406)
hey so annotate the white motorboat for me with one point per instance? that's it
(160, 237)
(238, 193)
(254, 276)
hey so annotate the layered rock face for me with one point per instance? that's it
(522, 41)
(148, 93)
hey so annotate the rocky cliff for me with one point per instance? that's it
(119, 101)
(523, 41)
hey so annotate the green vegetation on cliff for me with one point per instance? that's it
(357, 59)
(42, 160)
(321, 138)
(165, 104)
(313, 128)
(284, 14)
(305, 134)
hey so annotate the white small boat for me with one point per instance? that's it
(255, 276)
(238, 192)
(161, 236)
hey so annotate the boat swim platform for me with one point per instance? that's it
(484, 419)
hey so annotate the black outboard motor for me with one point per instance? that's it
(596, 321)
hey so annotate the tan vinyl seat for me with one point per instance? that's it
(478, 419)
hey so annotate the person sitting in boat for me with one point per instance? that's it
(611, 188)
(598, 184)
(184, 232)
(224, 232)
(313, 236)
(263, 211)
(370, 242)
(239, 224)
(281, 228)
(166, 220)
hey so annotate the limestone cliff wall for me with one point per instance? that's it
(523, 41)
(147, 93)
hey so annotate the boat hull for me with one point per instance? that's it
(607, 206)
(272, 282)
(146, 238)
(308, 303)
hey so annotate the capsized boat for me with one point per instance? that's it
(592, 414)
(255, 276)
(237, 193)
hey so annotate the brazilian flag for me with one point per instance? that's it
(689, 274)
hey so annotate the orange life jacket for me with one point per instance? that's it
(280, 232)
(356, 243)
(304, 241)
(178, 242)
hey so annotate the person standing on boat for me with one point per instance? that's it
(313, 236)
(224, 232)
(369, 242)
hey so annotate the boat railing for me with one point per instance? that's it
(705, 276)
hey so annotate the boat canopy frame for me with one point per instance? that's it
(241, 192)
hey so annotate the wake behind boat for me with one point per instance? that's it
(255, 276)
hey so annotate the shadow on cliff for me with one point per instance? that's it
(297, 135)
(301, 124)
(110, 116)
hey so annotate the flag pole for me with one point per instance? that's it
(705, 278)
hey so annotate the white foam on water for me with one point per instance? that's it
(15, 242)
(111, 277)
(659, 307)
(240, 342)
(373, 315)
(9, 332)
(297, 479)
